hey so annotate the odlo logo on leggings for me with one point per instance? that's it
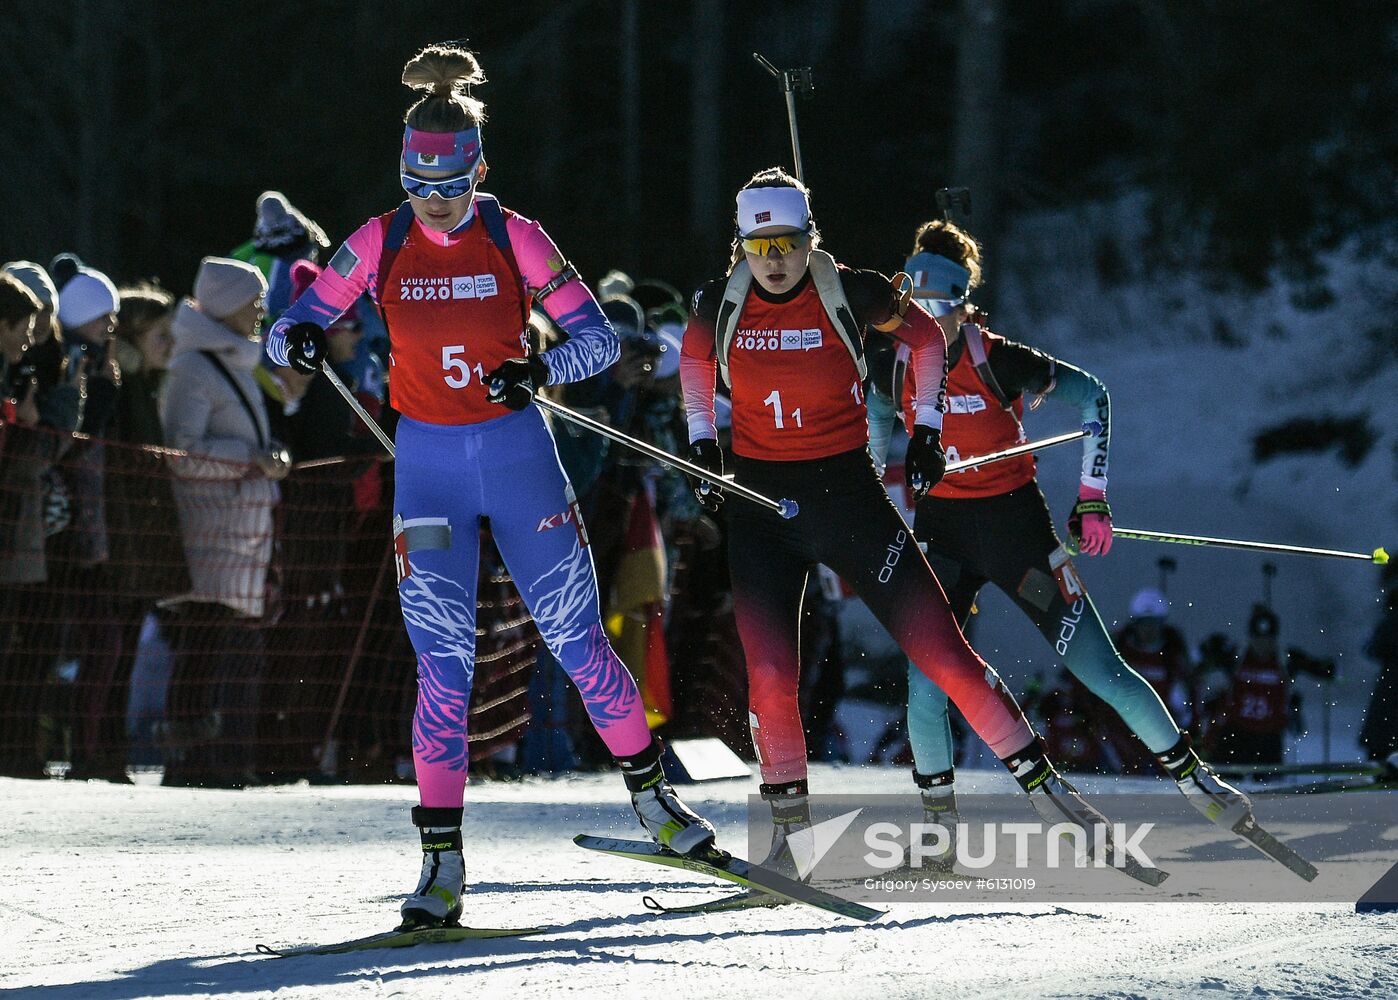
(891, 555)
(1068, 626)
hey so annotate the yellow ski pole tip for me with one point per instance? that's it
(1380, 556)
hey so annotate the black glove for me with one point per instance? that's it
(305, 347)
(926, 463)
(706, 454)
(514, 383)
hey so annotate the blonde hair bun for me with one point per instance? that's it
(443, 70)
(444, 74)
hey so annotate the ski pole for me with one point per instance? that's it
(794, 81)
(1378, 557)
(1088, 430)
(786, 508)
(369, 421)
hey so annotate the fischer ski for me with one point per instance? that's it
(1249, 830)
(400, 938)
(722, 865)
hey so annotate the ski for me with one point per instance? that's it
(1269, 845)
(1360, 783)
(401, 939)
(1138, 871)
(722, 865)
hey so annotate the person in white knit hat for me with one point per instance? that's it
(89, 305)
(225, 491)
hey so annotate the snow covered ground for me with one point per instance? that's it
(112, 893)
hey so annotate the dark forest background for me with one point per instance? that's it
(140, 133)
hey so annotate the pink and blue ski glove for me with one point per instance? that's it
(1090, 524)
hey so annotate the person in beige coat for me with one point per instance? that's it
(225, 490)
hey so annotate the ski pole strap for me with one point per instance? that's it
(1378, 557)
(1092, 507)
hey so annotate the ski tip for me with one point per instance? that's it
(263, 949)
(1148, 876)
(652, 904)
(1380, 556)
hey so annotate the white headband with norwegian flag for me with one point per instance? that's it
(761, 207)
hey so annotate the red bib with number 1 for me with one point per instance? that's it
(453, 315)
(796, 392)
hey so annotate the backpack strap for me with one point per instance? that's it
(242, 397)
(393, 238)
(980, 360)
(495, 226)
(735, 293)
(832, 295)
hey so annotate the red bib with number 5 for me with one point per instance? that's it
(796, 392)
(453, 315)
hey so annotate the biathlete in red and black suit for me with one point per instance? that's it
(990, 524)
(785, 330)
(454, 274)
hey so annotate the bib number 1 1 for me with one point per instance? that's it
(775, 401)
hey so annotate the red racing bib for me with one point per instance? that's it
(453, 315)
(976, 424)
(796, 392)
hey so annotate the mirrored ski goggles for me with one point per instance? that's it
(783, 244)
(448, 188)
(941, 307)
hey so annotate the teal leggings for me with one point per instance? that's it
(1008, 540)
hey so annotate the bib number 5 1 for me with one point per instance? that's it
(459, 368)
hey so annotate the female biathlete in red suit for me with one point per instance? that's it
(454, 274)
(990, 524)
(785, 331)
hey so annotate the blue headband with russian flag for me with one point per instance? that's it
(938, 277)
(455, 151)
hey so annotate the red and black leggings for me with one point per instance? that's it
(848, 523)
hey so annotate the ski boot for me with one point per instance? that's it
(1219, 801)
(938, 810)
(437, 900)
(668, 820)
(791, 813)
(1056, 800)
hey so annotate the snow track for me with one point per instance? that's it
(114, 893)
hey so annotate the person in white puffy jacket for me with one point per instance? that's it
(225, 490)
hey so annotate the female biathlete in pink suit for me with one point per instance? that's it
(454, 274)
(785, 330)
